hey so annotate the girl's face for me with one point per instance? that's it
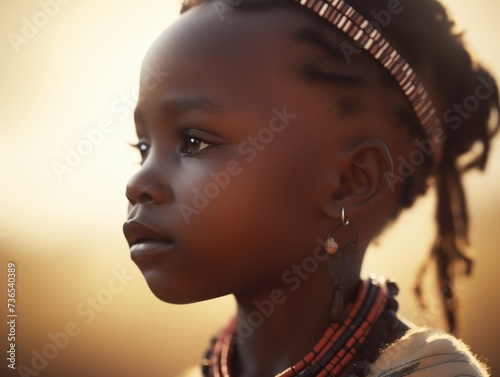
(237, 151)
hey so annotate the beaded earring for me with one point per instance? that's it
(340, 258)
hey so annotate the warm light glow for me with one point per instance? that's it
(73, 79)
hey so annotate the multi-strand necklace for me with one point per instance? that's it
(353, 344)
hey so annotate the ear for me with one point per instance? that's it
(364, 168)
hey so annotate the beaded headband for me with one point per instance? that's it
(351, 22)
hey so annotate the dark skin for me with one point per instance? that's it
(225, 79)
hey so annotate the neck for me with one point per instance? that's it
(279, 326)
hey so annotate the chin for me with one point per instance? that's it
(176, 291)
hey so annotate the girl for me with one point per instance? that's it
(278, 138)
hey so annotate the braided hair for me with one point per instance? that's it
(424, 34)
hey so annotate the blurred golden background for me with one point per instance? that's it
(77, 71)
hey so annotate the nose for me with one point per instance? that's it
(147, 186)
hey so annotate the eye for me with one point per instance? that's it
(143, 148)
(194, 145)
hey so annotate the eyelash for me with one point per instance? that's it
(143, 147)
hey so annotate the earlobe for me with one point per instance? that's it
(363, 170)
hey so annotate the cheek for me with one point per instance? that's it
(239, 225)
(261, 219)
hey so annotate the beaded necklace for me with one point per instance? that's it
(357, 341)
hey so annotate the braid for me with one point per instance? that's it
(437, 50)
(424, 34)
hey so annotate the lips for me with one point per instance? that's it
(145, 242)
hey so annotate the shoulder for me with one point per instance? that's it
(428, 352)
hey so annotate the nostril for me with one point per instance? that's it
(145, 198)
(138, 188)
(131, 195)
(138, 197)
(147, 186)
(131, 202)
(141, 192)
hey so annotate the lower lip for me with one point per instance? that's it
(150, 249)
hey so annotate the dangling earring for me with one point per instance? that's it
(331, 245)
(340, 258)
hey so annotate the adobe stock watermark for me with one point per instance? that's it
(31, 26)
(221, 179)
(122, 108)
(454, 118)
(87, 310)
(292, 280)
(224, 6)
(381, 19)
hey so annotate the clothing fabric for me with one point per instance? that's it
(428, 353)
(421, 352)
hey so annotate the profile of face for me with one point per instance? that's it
(243, 159)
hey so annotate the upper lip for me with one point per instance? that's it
(137, 232)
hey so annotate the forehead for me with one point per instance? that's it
(252, 61)
(240, 33)
(244, 45)
(200, 44)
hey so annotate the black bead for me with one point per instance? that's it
(373, 357)
(362, 368)
(393, 288)
(392, 304)
(205, 368)
(391, 318)
(351, 374)
(205, 364)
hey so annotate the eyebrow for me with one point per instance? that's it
(185, 103)
(188, 103)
